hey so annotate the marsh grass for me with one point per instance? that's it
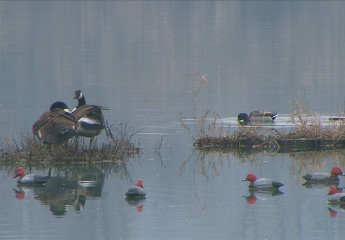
(310, 126)
(307, 133)
(118, 145)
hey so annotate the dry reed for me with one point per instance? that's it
(117, 146)
(307, 133)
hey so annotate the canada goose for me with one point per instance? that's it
(257, 116)
(90, 117)
(55, 126)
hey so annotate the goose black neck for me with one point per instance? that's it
(81, 101)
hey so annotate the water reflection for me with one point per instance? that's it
(20, 194)
(138, 203)
(334, 208)
(304, 161)
(319, 184)
(72, 186)
(59, 193)
(206, 164)
(22, 190)
(261, 194)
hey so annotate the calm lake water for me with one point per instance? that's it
(144, 61)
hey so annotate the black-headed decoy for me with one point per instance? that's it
(257, 116)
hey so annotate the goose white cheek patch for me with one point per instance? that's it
(88, 120)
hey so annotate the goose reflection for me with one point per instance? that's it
(261, 194)
(89, 187)
(62, 192)
(65, 192)
(59, 195)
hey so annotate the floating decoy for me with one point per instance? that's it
(55, 126)
(257, 116)
(136, 191)
(336, 118)
(90, 117)
(335, 196)
(262, 183)
(29, 178)
(324, 177)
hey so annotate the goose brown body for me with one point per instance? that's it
(90, 117)
(55, 126)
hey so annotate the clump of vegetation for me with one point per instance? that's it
(307, 133)
(215, 135)
(309, 126)
(117, 146)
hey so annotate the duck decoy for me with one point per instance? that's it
(257, 116)
(335, 195)
(90, 117)
(336, 118)
(324, 177)
(261, 183)
(29, 178)
(136, 191)
(56, 126)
